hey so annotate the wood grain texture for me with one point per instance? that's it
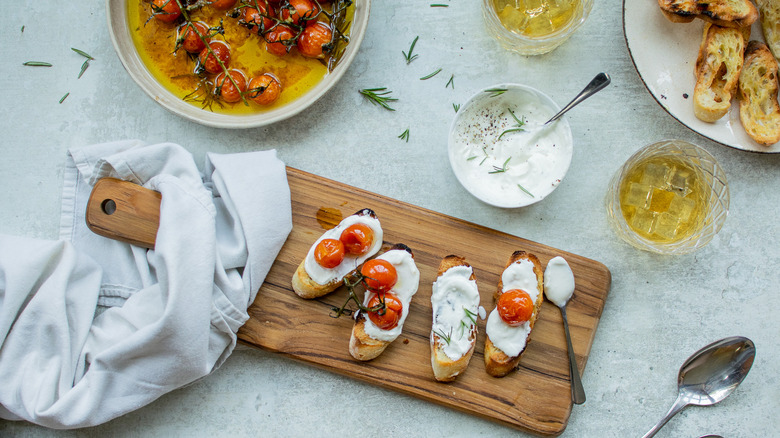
(134, 216)
(535, 398)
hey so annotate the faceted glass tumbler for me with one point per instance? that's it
(717, 201)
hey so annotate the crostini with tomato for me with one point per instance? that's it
(391, 279)
(337, 254)
(518, 300)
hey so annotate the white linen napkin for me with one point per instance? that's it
(92, 328)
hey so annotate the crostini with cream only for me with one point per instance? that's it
(518, 301)
(391, 280)
(337, 254)
(455, 303)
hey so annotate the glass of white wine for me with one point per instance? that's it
(670, 197)
(534, 27)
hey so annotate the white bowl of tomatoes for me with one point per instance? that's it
(236, 63)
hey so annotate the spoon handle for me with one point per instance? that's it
(678, 406)
(577, 391)
(596, 84)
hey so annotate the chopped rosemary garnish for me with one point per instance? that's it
(82, 53)
(483, 160)
(446, 338)
(405, 135)
(408, 56)
(430, 75)
(439, 5)
(83, 68)
(37, 64)
(470, 315)
(517, 128)
(451, 82)
(501, 169)
(496, 91)
(471, 158)
(526, 191)
(379, 96)
(456, 107)
(62, 99)
(22, 28)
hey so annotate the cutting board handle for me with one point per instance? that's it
(124, 211)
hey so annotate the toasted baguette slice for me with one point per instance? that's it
(497, 362)
(362, 345)
(446, 369)
(759, 111)
(308, 288)
(727, 13)
(770, 24)
(717, 71)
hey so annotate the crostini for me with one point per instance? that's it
(518, 301)
(717, 71)
(337, 254)
(391, 280)
(727, 13)
(759, 110)
(455, 303)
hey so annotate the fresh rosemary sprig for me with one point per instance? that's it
(379, 96)
(408, 56)
(447, 338)
(496, 91)
(430, 75)
(405, 135)
(517, 128)
(526, 191)
(470, 315)
(451, 82)
(37, 64)
(359, 278)
(501, 169)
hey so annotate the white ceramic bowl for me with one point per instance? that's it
(517, 168)
(128, 55)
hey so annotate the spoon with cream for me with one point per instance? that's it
(559, 288)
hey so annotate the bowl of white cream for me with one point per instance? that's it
(500, 151)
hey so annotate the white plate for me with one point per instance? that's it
(664, 54)
(125, 49)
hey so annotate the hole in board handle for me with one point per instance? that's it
(108, 206)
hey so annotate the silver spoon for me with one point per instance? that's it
(577, 391)
(710, 375)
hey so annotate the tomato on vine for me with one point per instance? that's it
(299, 11)
(329, 253)
(227, 88)
(280, 40)
(315, 40)
(264, 89)
(357, 238)
(388, 317)
(189, 38)
(379, 275)
(166, 11)
(515, 307)
(221, 50)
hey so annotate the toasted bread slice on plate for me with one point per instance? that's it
(759, 111)
(455, 303)
(727, 13)
(506, 343)
(770, 24)
(369, 340)
(717, 71)
(311, 280)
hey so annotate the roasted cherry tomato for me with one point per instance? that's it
(257, 19)
(388, 317)
(280, 40)
(380, 275)
(515, 307)
(166, 11)
(314, 40)
(227, 88)
(297, 11)
(357, 238)
(221, 51)
(222, 4)
(264, 89)
(189, 39)
(329, 253)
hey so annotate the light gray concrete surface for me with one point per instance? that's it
(660, 309)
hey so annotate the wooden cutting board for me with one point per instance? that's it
(534, 398)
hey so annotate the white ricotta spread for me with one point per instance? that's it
(323, 275)
(511, 340)
(455, 301)
(404, 289)
(520, 167)
(558, 281)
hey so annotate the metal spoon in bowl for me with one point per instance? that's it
(710, 375)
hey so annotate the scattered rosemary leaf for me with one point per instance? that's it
(430, 75)
(439, 5)
(82, 53)
(471, 158)
(496, 91)
(451, 82)
(517, 128)
(501, 169)
(83, 68)
(526, 191)
(456, 107)
(408, 56)
(483, 160)
(37, 64)
(405, 135)
(62, 99)
(22, 28)
(379, 96)
(446, 338)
